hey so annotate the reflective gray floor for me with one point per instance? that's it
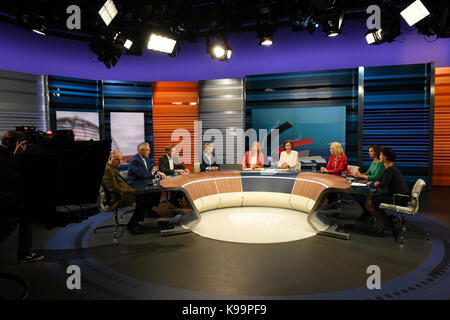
(190, 267)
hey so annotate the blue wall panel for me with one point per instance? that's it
(397, 114)
(71, 94)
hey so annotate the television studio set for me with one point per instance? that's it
(215, 157)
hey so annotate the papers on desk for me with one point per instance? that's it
(358, 184)
(320, 160)
(316, 159)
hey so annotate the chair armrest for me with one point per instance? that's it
(400, 195)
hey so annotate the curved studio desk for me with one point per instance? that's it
(303, 192)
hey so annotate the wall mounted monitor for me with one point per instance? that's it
(127, 131)
(85, 125)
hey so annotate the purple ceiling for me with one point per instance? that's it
(25, 51)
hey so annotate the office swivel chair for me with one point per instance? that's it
(105, 205)
(410, 209)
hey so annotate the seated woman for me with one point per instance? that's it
(392, 182)
(209, 159)
(254, 158)
(376, 168)
(374, 172)
(337, 163)
(289, 157)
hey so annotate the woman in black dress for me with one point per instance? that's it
(208, 159)
(391, 182)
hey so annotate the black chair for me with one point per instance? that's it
(105, 205)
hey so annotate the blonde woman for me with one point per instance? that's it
(289, 157)
(208, 159)
(254, 158)
(337, 163)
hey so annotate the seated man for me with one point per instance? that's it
(121, 194)
(139, 168)
(171, 165)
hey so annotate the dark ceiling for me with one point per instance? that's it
(195, 18)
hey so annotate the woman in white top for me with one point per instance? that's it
(289, 157)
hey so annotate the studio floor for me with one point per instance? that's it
(189, 266)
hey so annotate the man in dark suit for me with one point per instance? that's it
(120, 194)
(171, 165)
(140, 167)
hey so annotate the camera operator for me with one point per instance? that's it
(13, 143)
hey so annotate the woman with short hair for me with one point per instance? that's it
(376, 168)
(390, 182)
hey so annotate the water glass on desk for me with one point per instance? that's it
(313, 169)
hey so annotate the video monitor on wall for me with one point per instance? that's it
(85, 125)
(127, 131)
(311, 129)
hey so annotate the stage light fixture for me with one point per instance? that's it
(128, 43)
(40, 31)
(374, 36)
(334, 25)
(161, 43)
(218, 47)
(390, 27)
(265, 35)
(39, 26)
(108, 12)
(415, 12)
(106, 51)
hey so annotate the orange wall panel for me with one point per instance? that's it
(441, 151)
(175, 106)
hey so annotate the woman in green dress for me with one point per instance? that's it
(376, 168)
(372, 174)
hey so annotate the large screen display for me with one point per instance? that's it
(127, 131)
(85, 125)
(311, 129)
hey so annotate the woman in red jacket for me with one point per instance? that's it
(254, 158)
(337, 163)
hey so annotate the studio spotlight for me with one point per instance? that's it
(429, 17)
(333, 25)
(415, 12)
(374, 36)
(330, 14)
(38, 26)
(265, 35)
(108, 12)
(40, 31)
(218, 47)
(106, 51)
(390, 27)
(161, 43)
(128, 43)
